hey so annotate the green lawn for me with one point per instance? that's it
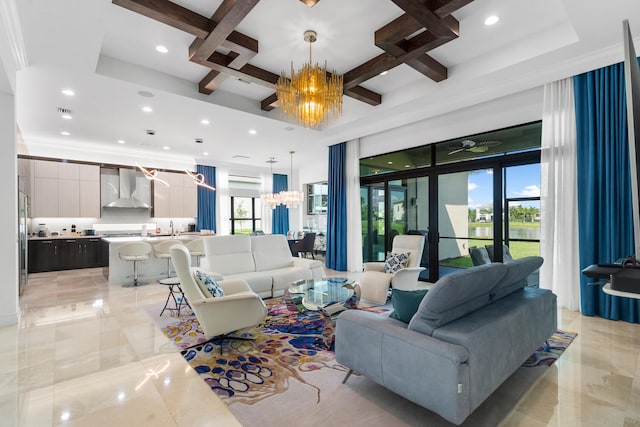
(517, 250)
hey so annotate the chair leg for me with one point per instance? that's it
(220, 339)
(135, 283)
(346, 377)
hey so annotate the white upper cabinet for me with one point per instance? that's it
(62, 189)
(179, 200)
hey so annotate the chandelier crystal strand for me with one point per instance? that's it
(309, 98)
(290, 198)
(270, 199)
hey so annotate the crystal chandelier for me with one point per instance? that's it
(270, 199)
(309, 97)
(290, 198)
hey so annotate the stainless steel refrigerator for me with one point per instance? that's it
(23, 244)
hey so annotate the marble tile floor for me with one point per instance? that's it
(86, 353)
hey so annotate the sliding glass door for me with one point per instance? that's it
(392, 208)
(465, 216)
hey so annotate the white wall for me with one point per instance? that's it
(503, 112)
(9, 311)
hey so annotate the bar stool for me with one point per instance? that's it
(161, 251)
(196, 249)
(134, 251)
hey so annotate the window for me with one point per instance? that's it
(245, 215)
(479, 190)
(317, 197)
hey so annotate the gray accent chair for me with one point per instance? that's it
(472, 330)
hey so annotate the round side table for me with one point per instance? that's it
(175, 293)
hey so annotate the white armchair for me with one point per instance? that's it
(375, 282)
(239, 308)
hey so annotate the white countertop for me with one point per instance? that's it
(66, 236)
(150, 238)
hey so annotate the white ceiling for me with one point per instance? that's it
(106, 54)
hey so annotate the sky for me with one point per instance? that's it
(522, 181)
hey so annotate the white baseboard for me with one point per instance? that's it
(10, 319)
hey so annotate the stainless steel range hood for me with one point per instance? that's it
(127, 196)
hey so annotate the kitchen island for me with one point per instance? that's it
(152, 269)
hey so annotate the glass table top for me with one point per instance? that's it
(320, 293)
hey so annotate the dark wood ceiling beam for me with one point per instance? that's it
(190, 22)
(169, 13)
(429, 67)
(370, 69)
(211, 82)
(391, 38)
(227, 17)
(396, 30)
(428, 18)
(220, 62)
(270, 102)
(405, 25)
(364, 95)
(444, 8)
(397, 56)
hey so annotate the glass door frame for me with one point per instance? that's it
(497, 163)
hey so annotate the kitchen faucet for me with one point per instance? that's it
(171, 225)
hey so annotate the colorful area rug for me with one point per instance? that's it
(291, 366)
(290, 342)
(547, 354)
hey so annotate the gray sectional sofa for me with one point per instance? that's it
(472, 330)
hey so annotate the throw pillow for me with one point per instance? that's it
(395, 262)
(405, 303)
(209, 282)
(479, 256)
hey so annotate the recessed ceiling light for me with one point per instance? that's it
(66, 116)
(122, 141)
(162, 49)
(491, 20)
(166, 147)
(204, 121)
(384, 73)
(68, 92)
(205, 153)
(253, 132)
(65, 133)
(147, 109)
(407, 166)
(390, 163)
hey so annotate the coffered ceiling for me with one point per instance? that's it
(106, 51)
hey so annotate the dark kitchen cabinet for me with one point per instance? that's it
(96, 253)
(43, 255)
(67, 254)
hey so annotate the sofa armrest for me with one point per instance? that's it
(234, 286)
(374, 266)
(228, 313)
(306, 263)
(352, 323)
(406, 278)
(428, 371)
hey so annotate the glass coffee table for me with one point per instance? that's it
(326, 294)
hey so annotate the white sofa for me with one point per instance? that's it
(264, 262)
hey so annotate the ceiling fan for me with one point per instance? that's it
(475, 147)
